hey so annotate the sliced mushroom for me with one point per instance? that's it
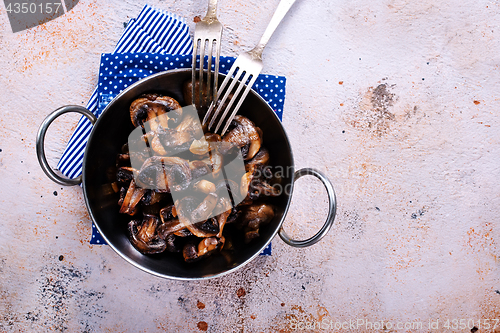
(190, 125)
(204, 186)
(225, 206)
(199, 169)
(174, 141)
(200, 147)
(245, 136)
(132, 198)
(194, 215)
(260, 159)
(216, 161)
(143, 235)
(172, 245)
(165, 174)
(255, 217)
(254, 184)
(204, 209)
(153, 108)
(125, 174)
(151, 197)
(206, 247)
(168, 213)
(169, 227)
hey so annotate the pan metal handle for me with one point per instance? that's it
(40, 140)
(332, 209)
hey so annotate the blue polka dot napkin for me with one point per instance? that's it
(153, 42)
(118, 71)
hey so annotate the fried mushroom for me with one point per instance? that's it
(165, 174)
(255, 217)
(131, 200)
(245, 136)
(143, 235)
(206, 247)
(153, 108)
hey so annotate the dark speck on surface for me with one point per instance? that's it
(377, 209)
(55, 193)
(497, 291)
(304, 288)
(423, 79)
(61, 257)
(241, 292)
(0, 150)
(57, 237)
(343, 131)
(474, 329)
(125, 24)
(21, 161)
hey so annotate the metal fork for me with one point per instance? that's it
(207, 31)
(245, 70)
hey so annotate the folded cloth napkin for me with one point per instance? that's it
(153, 42)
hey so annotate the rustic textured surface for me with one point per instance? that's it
(397, 101)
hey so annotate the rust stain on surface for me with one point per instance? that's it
(202, 326)
(241, 292)
(200, 305)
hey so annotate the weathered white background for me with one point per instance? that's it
(396, 100)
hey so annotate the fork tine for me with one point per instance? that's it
(209, 70)
(240, 101)
(216, 72)
(235, 97)
(193, 71)
(223, 100)
(200, 78)
(219, 93)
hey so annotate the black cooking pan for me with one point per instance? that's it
(111, 131)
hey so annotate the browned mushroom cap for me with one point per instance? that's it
(168, 213)
(254, 184)
(243, 135)
(260, 159)
(165, 174)
(193, 252)
(174, 141)
(199, 169)
(256, 216)
(153, 107)
(191, 124)
(169, 227)
(172, 244)
(132, 198)
(204, 209)
(143, 235)
(225, 206)
(194, 215)
(151, 197)
(125, 174)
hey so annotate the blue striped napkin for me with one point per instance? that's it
(153, 42)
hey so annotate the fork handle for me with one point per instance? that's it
(212, 10)
(278, 16)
